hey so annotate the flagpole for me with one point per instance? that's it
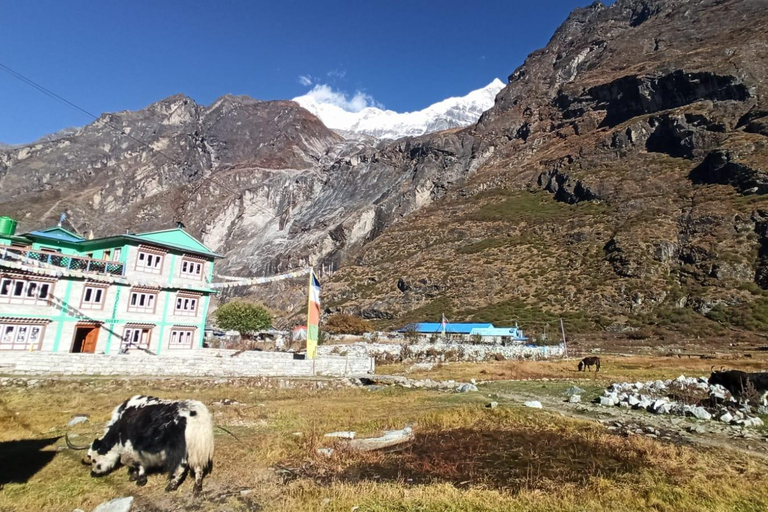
(309, 308)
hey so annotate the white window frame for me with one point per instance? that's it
(17, 291)
(136, 337)
(181, 339)
(142, 302)
(149, 262)
(94, 300)
(192, 269)
(186, 305)
(20, 336)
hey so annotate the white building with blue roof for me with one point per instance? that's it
(486, 331)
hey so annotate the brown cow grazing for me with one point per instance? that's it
(589, 362)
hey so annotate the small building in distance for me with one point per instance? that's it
(486, 332)
(60, 292)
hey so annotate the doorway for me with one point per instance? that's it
(85, 340)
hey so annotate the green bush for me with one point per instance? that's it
(242, 316)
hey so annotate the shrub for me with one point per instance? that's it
(341, 323)
(411, 333)
(245, 317)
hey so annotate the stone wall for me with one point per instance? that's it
(196, 363)
(441, 351)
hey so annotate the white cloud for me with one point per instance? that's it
(305, 80)
(337, 73)
(322, 93)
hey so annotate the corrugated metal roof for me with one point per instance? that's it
(57, 233)
(429, 327)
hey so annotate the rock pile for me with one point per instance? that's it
(683, 396)
(441, 352)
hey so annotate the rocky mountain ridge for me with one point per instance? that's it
(619, 181)
(625, 189)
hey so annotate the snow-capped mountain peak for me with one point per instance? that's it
(345, 116)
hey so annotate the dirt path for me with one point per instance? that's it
(666, 427)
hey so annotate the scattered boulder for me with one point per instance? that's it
(325, 451)
(656, 399)
(341, 435)
(465, 388)
(534, 404)
(701, 413)
(77, 418)
(492, 405)
(574, 399)
(390, 439)
(116, 505)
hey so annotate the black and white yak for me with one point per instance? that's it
(149, 434)
(742, 384)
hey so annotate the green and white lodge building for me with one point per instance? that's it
(60, 292)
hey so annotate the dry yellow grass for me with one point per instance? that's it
(614, 368)
(465, 457)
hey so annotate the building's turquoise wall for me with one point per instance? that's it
(62, 315)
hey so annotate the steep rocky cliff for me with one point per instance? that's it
(620, 181)
(626, 187)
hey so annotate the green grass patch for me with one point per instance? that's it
(751, 316)
(532, 318)
(534, 207)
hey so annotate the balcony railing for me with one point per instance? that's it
(68, 261)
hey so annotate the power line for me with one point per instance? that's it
(60, 98)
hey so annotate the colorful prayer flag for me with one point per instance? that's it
(313, 316)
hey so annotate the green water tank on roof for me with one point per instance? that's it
(7, 226)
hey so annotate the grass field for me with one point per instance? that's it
(465, 456)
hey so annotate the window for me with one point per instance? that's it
(186, 305)
(20, 337)
(24, 291)
(181, 339)
(148, 262)
(116, 255)
(136, 337)
(142, 302)
(191, 268)
(93, 297)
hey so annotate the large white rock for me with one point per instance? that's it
(701, 413)
(535, 404)
(661, 406)
(726, 418)
(574, 399)
(341, 435)
(116, 505)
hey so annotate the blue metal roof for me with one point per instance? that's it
(449, 328)
(57, 233)
(466, 328)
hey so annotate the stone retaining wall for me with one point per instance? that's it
(440, 351)
(196, 363)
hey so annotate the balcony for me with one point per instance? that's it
(56, 259)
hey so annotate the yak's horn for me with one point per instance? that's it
(712, 369)
(73, 446)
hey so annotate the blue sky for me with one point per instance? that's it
(116, 55)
